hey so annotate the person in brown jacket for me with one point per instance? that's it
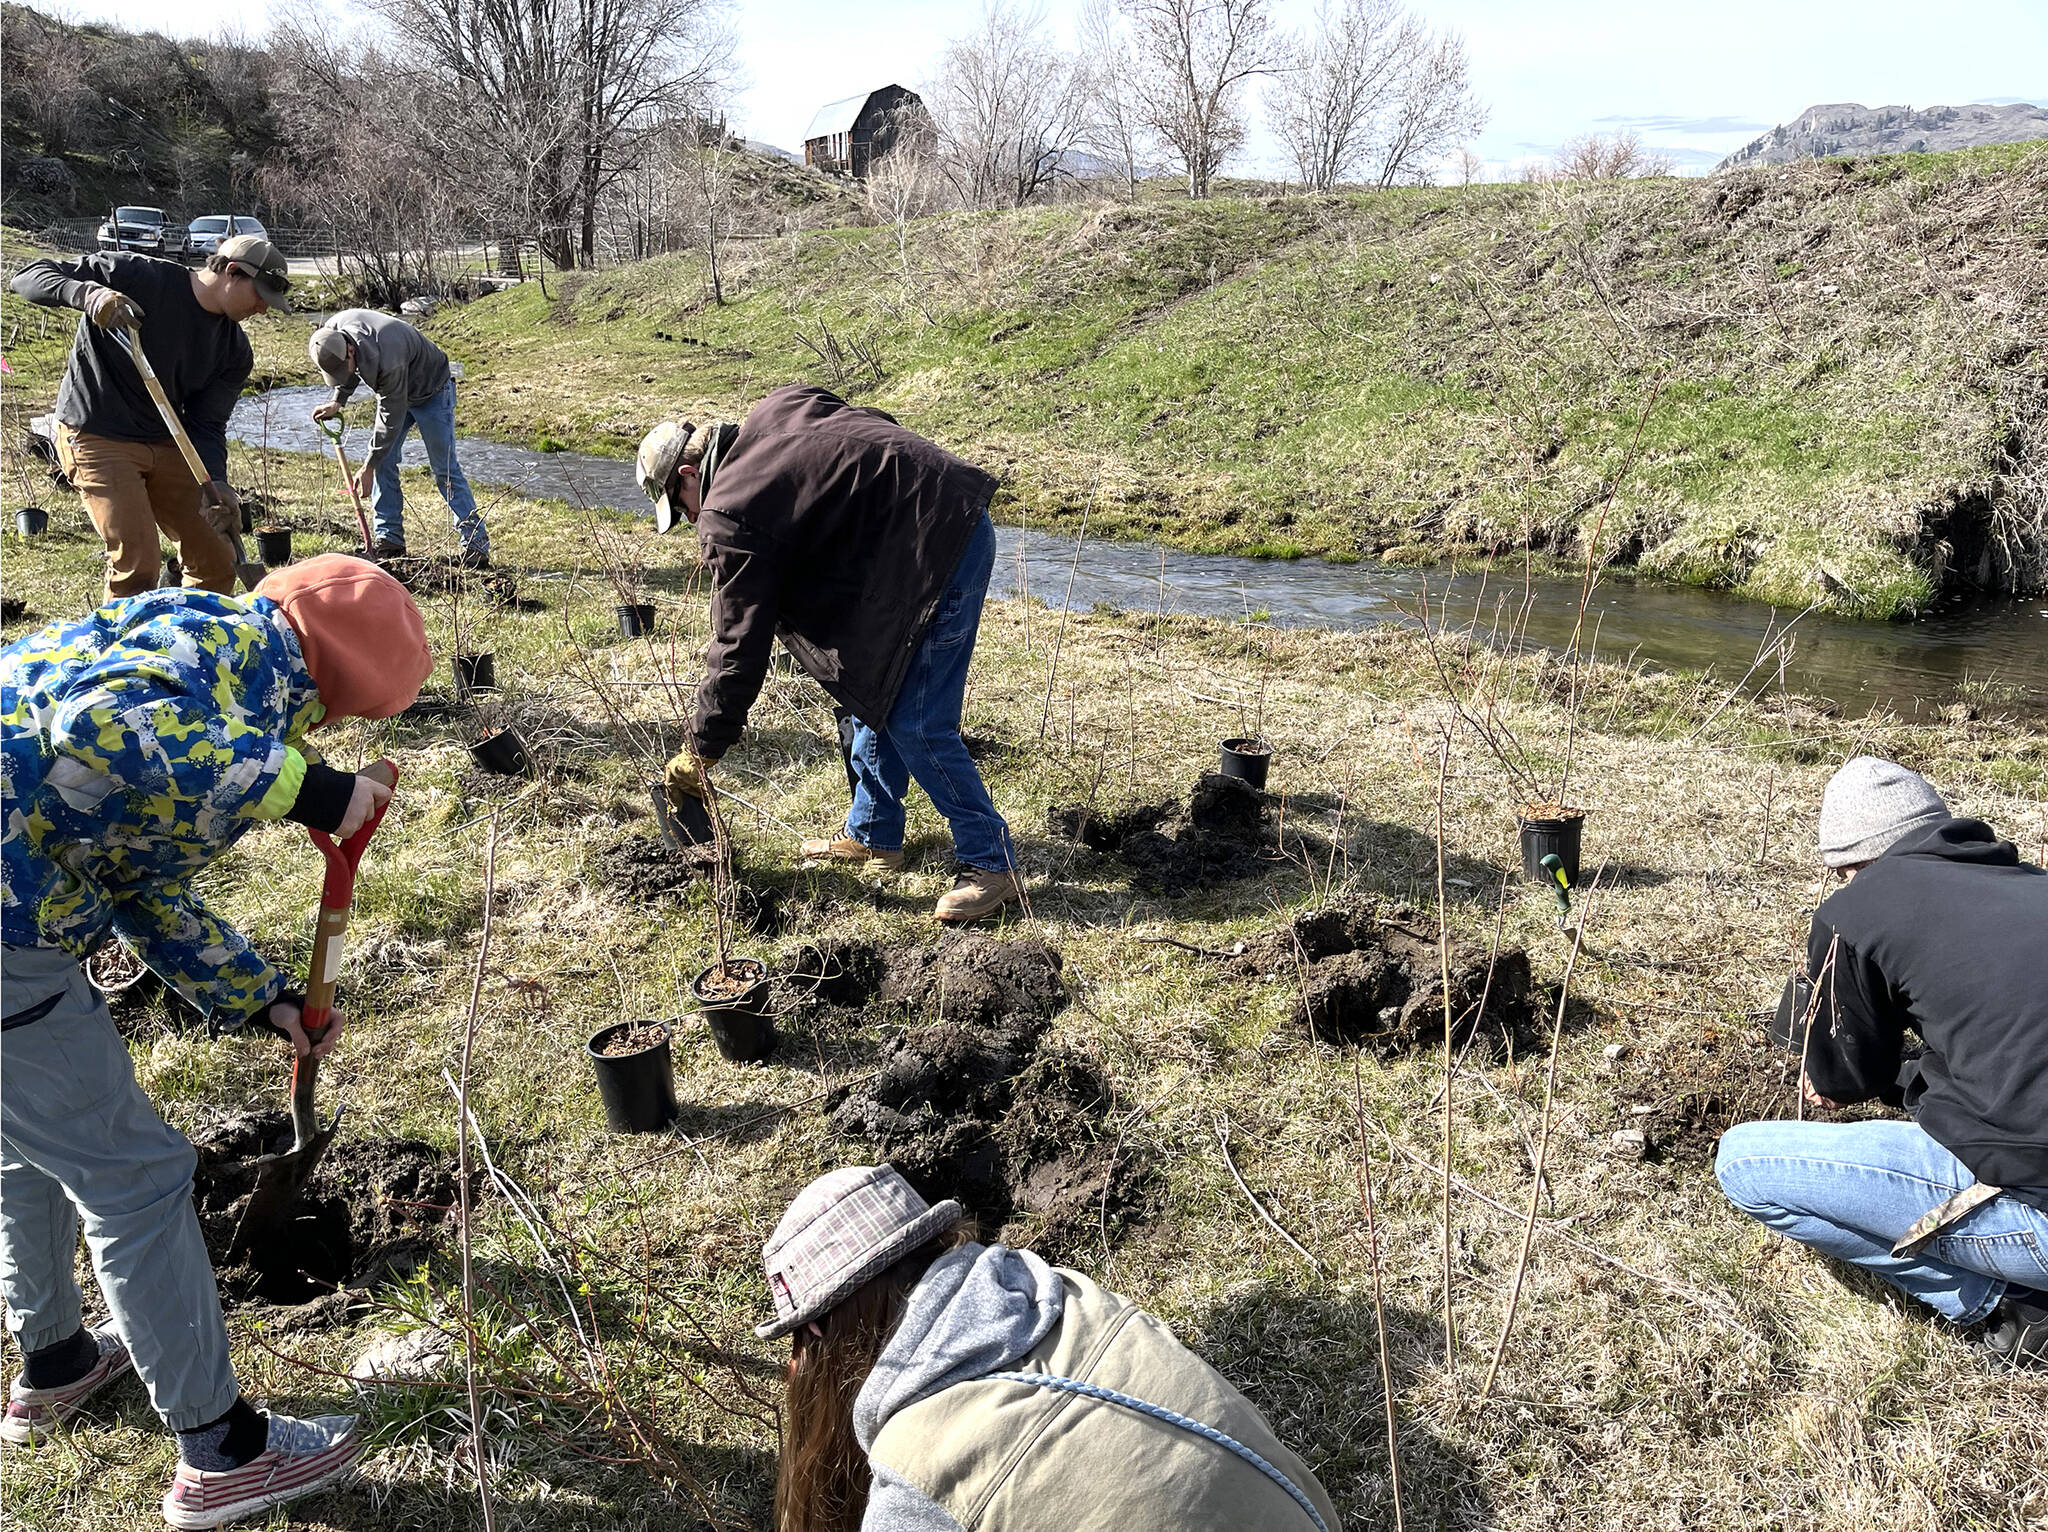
(940, 1385)
(868, 550)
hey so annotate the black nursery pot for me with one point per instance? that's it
(31, 521)
(689, 825)
(248, 518)
(504, 753)
(475, 673)
(1247, 760)
(741, 1025)
(636, 618)
(639, 1089)
(274, 548)
(1552, 837)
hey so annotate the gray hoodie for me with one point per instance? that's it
(977, 1310)
(398, 364)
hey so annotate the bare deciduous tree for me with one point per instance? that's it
(1195, 57)
(1335, 83)
(1114, 132)
(1008, 106)
(1434, 109)
(1597, 157)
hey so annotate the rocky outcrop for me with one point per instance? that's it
(1824, 132)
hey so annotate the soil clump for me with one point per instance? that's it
(1370, 978)
(646, 869)
(1226, 830)
(972, 1103)
(740, 975)
(446, 575)
(634, 1040)
(371, 1214)
(1685, 1095)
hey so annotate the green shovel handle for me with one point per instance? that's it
(1554, 865)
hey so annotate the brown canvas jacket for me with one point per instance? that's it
(835, 527)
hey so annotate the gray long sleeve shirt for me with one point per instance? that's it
(396, 363)
(202, 358)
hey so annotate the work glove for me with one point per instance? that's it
(223, 508)
(687, 775)
(328, 411)
(111, 310)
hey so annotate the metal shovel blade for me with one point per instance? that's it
(251, 575)
(280, 1180)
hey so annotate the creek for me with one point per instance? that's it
(1855, 665)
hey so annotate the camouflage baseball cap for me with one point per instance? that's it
(262, 263)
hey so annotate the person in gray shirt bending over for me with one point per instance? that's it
(409, 375)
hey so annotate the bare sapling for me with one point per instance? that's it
(1443, 944)
(1066, 606)
(1368, 1204)
(1564, 990)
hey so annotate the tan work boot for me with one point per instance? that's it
(976, 893)
(851, 852)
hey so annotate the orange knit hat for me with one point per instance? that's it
(361, 635)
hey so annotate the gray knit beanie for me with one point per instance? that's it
(1870, 804)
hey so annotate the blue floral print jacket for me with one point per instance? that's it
(141, 742)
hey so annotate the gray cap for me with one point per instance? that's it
(1869, 805)
(328, 348)
(262, 263)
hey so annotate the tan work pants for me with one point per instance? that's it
(133, 489)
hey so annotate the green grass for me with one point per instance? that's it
(1455, 369)
(1775, 1397)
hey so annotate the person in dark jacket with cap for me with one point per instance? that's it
(112, 442)
(414, 387)
(1941, 931)
(868, 550)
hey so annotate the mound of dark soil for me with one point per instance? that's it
(1698, 1087)
(838, 970)
(972, 1103)
(647, 869)
(1227, 830)
(1368, 978)
(371, 1213)
(443, 575)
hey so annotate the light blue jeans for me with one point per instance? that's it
(80, 1142)
(1851, 1189)
(436, 423)
(921, 739)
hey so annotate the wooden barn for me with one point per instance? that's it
(847, 137)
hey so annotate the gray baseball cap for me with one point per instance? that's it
(262, 263)
(328, 348)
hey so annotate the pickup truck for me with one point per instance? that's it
(144, 230)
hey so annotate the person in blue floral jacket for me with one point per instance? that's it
(140, 743)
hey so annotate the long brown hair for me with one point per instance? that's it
(823, 1482)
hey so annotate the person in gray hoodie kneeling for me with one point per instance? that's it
(941, 1385)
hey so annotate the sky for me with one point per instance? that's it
(1694, 83)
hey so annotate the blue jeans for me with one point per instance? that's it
(921, 738)
(1851, 1189)
(436, 422)
(81, 1144)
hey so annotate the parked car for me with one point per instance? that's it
(144, 230)
(205, 235)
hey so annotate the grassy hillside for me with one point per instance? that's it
(1716, 1379)
(1851, 404)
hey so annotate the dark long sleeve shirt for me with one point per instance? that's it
(202, 359)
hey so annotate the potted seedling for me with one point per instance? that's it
(636, 1075)
(474, 673)
(503, 752)
(31, 521)
(636, 618)
(274, 544)
(732, 991)
(1249, 753)
(1550, 829)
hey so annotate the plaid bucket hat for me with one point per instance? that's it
(843, 1230)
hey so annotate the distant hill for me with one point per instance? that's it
(1823, 132)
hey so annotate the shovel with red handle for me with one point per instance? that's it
(280, 1178)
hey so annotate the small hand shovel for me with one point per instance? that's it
(280, 1178)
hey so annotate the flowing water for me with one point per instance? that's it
(1856, 665)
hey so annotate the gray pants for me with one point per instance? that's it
(80, 1142)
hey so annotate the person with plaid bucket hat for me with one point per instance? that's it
(1936, 931)
(941, 1385)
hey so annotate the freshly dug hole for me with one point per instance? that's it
(1367, 977)
(1228, 830)
(1700, 1086)
(973, 1104)
(370, 1214)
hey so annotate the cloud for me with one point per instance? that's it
(1667, 124)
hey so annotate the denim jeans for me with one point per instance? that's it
(81, 1144)
(1851, 1189)
(921, 738)
(436, 422)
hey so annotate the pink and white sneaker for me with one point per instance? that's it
(303, 1456)
(35, 1414)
